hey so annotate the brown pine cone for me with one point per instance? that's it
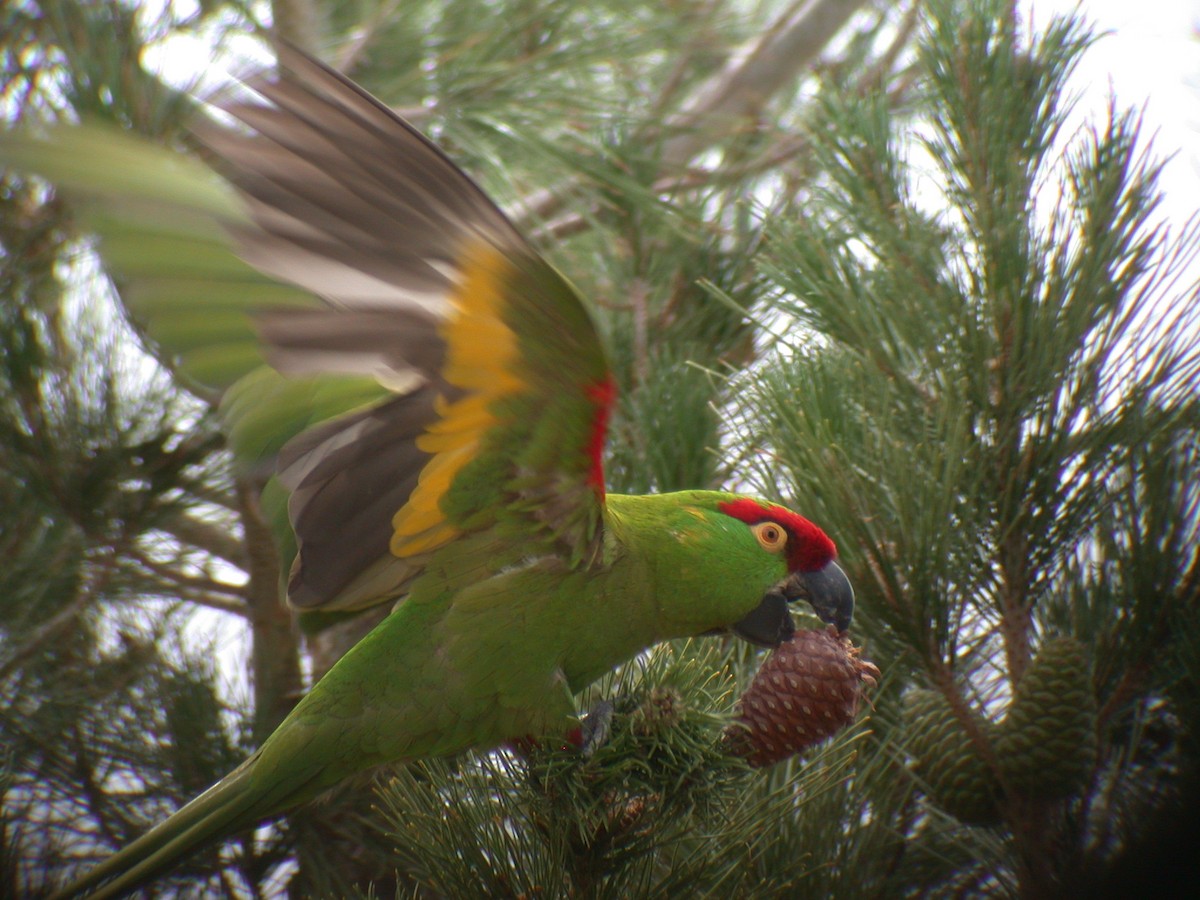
(807, 690)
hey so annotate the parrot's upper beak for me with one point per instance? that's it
(828, 591)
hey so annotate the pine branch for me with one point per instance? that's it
(215, 540)
(718, 108)
(275, 656)
(216, 494)
(362, 38)
(735, 96)
(66, 617)
(157, 579)
(788, 148)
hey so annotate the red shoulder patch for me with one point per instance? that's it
(809, 549)
(602, 394)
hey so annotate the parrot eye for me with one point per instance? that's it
(772, 537)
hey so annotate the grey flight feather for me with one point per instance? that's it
(348, 201)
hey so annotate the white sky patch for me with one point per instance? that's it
(193, 60)
(1147, 54)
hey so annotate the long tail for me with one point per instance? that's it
(233, 802)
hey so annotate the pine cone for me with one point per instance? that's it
(806, 690)
(1047, 742)
(947, 760)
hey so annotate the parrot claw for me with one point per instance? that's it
(595, 727)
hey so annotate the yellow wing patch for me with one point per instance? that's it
(481, 356)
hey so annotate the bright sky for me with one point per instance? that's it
(1150, 55)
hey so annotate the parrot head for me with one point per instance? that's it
(735, 564)
(812, 574)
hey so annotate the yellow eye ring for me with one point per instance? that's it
(771, 536)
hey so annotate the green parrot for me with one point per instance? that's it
(433, 396)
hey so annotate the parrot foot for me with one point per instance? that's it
(594, 728)
(587, 737)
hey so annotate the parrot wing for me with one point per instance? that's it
(415, 370)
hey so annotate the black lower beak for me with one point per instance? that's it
(827, 590)
(769, 624)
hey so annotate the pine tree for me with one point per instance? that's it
(987, 385)
(883, 284)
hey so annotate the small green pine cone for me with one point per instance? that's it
(948, 762)
(1047, 743)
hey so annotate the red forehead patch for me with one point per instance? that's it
(809, 548)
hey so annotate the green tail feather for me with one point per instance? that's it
(230, 804)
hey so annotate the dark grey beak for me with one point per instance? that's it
(828, 591)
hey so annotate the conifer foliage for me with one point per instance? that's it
(1005, 374)
(860, 257)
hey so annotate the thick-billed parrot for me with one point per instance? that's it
(434, 397)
